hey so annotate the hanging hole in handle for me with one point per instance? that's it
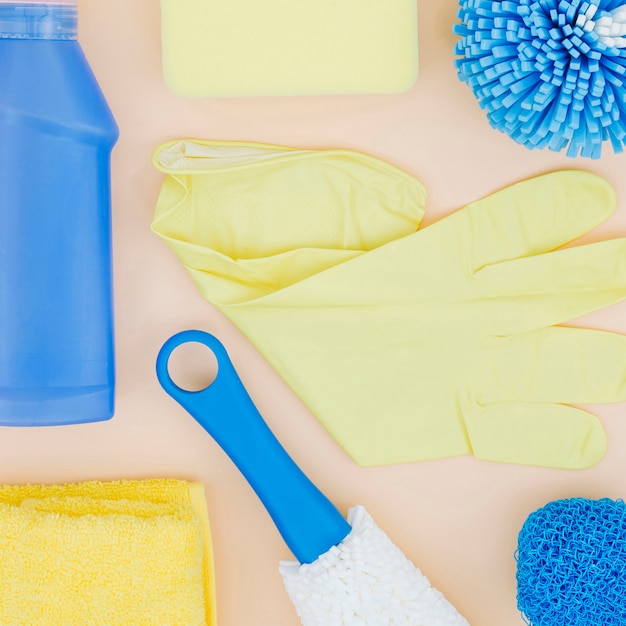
(192, 366)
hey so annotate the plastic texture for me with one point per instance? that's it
(308, 522)
(279, 47)
(346, 572)
(409, 345)
(549, 73)
(56, 330)
(38, 20)
(571, 564)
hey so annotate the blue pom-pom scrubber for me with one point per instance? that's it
(549, 73)
(571, 564)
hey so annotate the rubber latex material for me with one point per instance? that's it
(308, 522)
(409, 345)
(56, 327)
(280, 47)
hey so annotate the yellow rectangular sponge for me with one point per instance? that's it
(236, 48)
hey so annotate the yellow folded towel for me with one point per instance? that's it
(127, 552)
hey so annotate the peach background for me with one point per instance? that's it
(457, 519)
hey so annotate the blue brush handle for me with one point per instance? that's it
(308, 522)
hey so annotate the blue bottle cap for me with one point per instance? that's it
(38, 20)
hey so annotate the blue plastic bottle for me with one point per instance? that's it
(56, 137)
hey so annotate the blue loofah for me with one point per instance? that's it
(546, 71)
(571, 564)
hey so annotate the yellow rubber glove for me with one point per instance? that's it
(410, 345)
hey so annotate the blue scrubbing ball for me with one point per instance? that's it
(549, 73)
(571, 564)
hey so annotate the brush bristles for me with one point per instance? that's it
(365, 581)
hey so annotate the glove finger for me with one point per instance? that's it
(558, 364)
(533, 216)
(547, 435)
(555, 287)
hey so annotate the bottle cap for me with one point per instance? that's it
(38, 19)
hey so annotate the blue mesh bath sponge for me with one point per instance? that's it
(571, 564)
(549, 73)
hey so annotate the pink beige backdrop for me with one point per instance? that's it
(457, 519)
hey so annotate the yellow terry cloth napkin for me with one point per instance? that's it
(129, 552)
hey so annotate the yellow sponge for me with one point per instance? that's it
(288, 47)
